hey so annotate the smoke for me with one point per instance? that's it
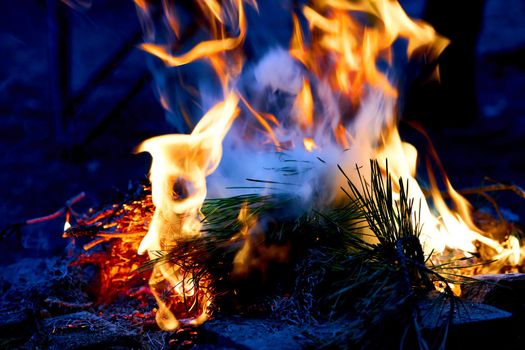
(252, 164)
(279, 72)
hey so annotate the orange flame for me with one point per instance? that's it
(242, 258)
(207, 48)
(304, 107)
(344, 104)
(254, 254)
(353, 48)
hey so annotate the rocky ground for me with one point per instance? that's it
(52, 309)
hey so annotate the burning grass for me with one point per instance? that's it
(360, 261)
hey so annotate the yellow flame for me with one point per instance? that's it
(341, 51)
(181, 160)
(215, 9)
(309, 144)
(187, 159)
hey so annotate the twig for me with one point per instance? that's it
(494, 205)
(484, 189)
(59, 212)
(120, 235)
(106, 236)
(492, 188)
(66, 305)
(65, 210)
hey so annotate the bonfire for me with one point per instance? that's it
(293, 194)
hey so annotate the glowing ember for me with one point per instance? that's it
(123, 227)
(339, 109)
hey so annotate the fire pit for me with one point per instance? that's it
(291, 208)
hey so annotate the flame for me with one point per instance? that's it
(181, 160)
(171, 17)
(309, 144)
(353, 48)
(204, 49)
(264, 121)
(254, 254)
(185, 160)
(242, 258)
(344, 106)
(304, 107)
(181, 163)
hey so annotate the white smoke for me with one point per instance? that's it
(272, 85)
(277, 70)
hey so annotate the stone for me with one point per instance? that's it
(465, 312)
(82, 330)
(504, 291)
(474, 325)
(16, 327)
(266, 334)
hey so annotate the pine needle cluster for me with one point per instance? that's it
(361, 261)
